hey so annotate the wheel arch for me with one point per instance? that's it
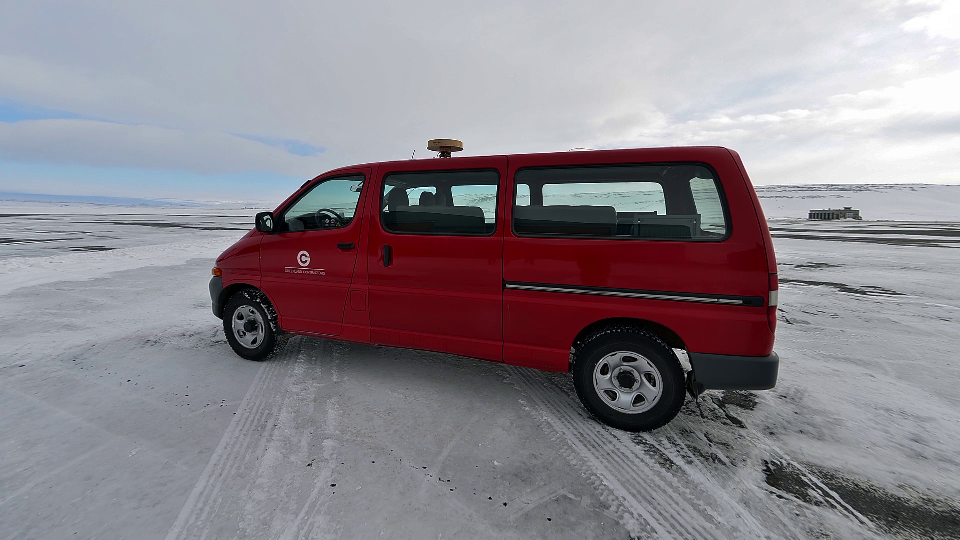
(229, 291)
(234, 288)
(668, 336)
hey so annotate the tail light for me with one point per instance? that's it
(773, 302)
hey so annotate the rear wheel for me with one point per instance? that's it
(628, 378)
(247, 326)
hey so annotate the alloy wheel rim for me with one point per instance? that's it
(627, 382)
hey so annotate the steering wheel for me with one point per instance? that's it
(333, 213)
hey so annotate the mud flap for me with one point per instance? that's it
(695, 389)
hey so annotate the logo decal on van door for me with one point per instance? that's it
(303, 259)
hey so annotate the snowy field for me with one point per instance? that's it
(904, 202)
(126, 415)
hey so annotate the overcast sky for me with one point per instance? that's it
(244, 100)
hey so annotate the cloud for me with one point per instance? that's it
(944, 22)
(908, 132)
(798, 80)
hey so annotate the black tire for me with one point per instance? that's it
(595, 348)
(253, 305)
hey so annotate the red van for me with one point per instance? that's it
(607, 264)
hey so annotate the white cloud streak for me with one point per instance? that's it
(943, 22)
(807, 91)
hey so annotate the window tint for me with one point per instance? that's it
(440, 202)
(329, 205)
(707, 201)
(631, 196)
(523, 195)
(483, 196)
(653, 202)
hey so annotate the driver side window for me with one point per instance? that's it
(331, 204)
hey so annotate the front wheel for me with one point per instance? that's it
(629, 379)
(247, 327)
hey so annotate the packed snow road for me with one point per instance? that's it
(126, 415)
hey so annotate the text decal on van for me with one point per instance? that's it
(313, 271)
(303, 259)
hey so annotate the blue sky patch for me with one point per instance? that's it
(143, 183)
(293, 146)
(12, 111)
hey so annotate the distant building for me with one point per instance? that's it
(845, 213)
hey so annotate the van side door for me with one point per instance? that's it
(435, 256)
(307, 266)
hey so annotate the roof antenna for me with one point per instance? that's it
(413, 153)
(444, 146)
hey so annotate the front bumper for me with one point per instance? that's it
(727, 372)
(216, 287)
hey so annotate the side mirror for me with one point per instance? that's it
(264, 222)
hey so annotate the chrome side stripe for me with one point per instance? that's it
(646, 295)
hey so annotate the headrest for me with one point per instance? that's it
(462, 211)
(397, 197)
(568, 213)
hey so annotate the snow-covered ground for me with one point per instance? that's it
(918, 202)
(126, 415)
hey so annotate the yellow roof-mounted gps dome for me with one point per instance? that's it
(444, 146)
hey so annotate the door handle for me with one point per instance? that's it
(345, 246)
(387, 255)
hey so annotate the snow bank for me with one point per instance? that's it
(922, 202)
(29, 271)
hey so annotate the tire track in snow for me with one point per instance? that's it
(675, 500)
(813, 482)
(787, 528)
(609, 467)
(254, 484)
(694, 471)
(287, 449)
(766, 448)
(311, 522)
(239, 445)
(225, 454)
(530, 500)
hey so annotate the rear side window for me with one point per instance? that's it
(707, 200)
(440, 202)
(650, 202)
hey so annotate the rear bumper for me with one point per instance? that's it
(726, 372)
(216, 287)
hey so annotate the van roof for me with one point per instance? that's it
(667, 153)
